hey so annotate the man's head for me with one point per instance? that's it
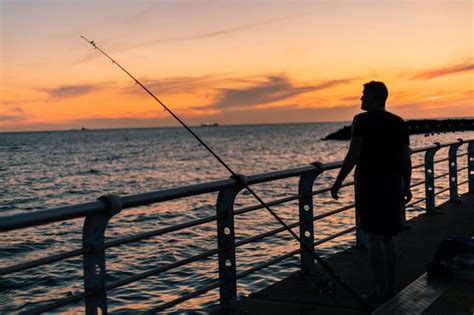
(374, 96)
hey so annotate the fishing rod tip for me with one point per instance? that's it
(89, 41)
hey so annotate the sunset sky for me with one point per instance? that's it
(231, 62)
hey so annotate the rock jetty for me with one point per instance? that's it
(424, 126)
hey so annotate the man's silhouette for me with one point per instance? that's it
(380, 149)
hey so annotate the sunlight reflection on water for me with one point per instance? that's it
(49, 169)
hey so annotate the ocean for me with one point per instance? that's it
(41, 170)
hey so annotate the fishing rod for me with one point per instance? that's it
(241, 180)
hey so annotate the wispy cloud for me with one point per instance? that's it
(351, 99)
(11, 118)
(139, 15)
(289, 113)
(17, 110)
(443, 71)
(195, 36)
(222, 31)
(71, 90)
(183, 84)
(252, 115)
(12, 114)
(433, 110)
(16, 102)
(271, 89)
(243, 27)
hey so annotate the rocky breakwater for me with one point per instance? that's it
(423, 126)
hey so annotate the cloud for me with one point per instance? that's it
(11, 117)
(181, 84)
(240, 28)
(223, 31)
(251, 115)
(14, 102)
(271, 89)
(351, 99)
(9, 112)
(71, 90)
(443, 71)
(285, 114)
(288, 114)
(139, 16)
(17, 110)
(433, 110)
(195, 36)
(12, 114)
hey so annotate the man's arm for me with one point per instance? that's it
(406, 173)
(351, 159)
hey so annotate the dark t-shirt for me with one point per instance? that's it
(384, 136)
(379, 180)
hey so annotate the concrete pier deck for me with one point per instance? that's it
(416, 245)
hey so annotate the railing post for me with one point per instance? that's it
(453, 171)
(429, 178)
(94, 260)
(470, 166)
(305, 191)
(226, 241)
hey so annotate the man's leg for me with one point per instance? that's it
(391, 263)
(377, 261)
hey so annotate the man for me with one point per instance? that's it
(380, 149)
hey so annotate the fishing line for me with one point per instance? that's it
(240, 179)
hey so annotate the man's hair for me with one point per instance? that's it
(378, 90)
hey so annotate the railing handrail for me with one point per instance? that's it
(40, 217)
(439, 145)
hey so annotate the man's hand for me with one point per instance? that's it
(334, 189)
(352, 156)
(407, 195)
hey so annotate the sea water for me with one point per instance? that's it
(41, 170)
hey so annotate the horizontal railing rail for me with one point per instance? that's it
(97, 213)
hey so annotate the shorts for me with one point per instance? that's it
(379, 202)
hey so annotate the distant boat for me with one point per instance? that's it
(209, 125)
(83, 129)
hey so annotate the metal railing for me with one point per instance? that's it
(98, 213)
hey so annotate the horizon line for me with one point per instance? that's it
(219, 125)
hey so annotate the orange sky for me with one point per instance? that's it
(232, 62)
